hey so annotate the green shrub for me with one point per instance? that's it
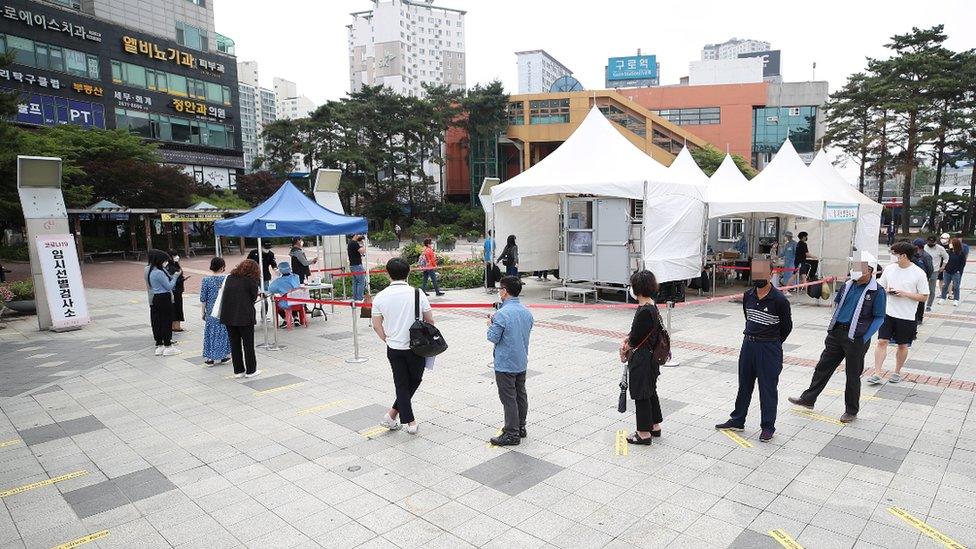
(383, 236)
(419, 228)
(22, 289)
(474, 233)
(387, 225)
(454, 278)
(411, 253)
(446, 239)
(15, 253)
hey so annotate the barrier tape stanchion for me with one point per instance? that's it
(672, 362)
(273, 346)
(356, 359)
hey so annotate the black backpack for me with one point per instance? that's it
(425, 339)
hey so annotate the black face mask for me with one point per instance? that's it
(760, 283)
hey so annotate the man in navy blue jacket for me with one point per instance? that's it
(858, 314)
(768, 324)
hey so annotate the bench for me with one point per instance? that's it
(568, 291)
(90, 256)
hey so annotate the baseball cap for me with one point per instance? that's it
(865, 257)
(944, 236)
(284, 268)
(788, 234)
(918, 242)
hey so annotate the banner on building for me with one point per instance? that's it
(62, 281)
(190, 217)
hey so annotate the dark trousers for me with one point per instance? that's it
(648, 413)
(762, 361)
(920, 313)
(161, 319)
(242, 349)
(838, 347)
(432, 276)
(408, 372)
(511, 391)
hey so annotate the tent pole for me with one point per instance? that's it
(264, 297)
(704, 249)
(216, 242)
(643, 262)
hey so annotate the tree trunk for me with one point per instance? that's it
(906, 191)
(939, 165)
(971, 210)
(864, 154)
(883, 158)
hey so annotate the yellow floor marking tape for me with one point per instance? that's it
(279, 389)
(736, 438)
(620, 446)
(497, 434)
(821, 417)
(921, 526)
(378, 430)
(838, 392)
(785, 539)
(10, 442)
(81, 541)
(39, 484)
(320, 407)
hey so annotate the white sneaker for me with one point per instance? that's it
(412, 429)
(171, 351)
(895, 378)
(159, 350)
(255, 374)
(955, 303)
(390, 423)
(941, 301)
(874, 379)
(239, 376)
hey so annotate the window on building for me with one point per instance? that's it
(175, 129)
(549, 111)
(729, 228)
(691, 117)
(772, 125)
(201, 3)
(666, 140)
(191, 37)
(633, 123)
(516, 113)
(138, 76)
(45, 56)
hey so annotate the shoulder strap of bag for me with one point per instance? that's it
(416, 303)
(649, 332)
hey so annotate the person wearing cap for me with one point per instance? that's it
(788, 252)
(267, 260)
(859, 311)
(924, 262)
(282, 285)
(940, 257)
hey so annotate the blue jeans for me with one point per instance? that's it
(762, 361)
(358, 282)
(951, 278)
(511, 270)
(432, 276)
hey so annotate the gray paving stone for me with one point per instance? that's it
(95, 499)
(338, 336)
(940, 367)
(569, 318)
(360, 418)
(716, 316)
(948, 341)
(81, 425)
(512, 472)
(907, 394)
(273, 382)
(603, 345)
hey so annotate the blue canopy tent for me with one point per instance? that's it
(288, 213)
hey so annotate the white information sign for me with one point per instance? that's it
(62, 281)
(840, 212)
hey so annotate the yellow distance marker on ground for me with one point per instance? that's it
(819, 417)
(41, 483)
(924, 528)
(320, 407)
(278, 389)
(620, 445)
(374, 432)
(736, 438)
(83, 540)
(11, 442)
(497, 434)
(784, 539)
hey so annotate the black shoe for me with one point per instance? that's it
(425, 292)
(523, 433)
(847, 418)
(208, 362)
(283, 325)
(765, 435)
(656, 433)
(439, 294)
(225, 360)
(505, 440)
(800, 402)
(639, 440)
(729, 426)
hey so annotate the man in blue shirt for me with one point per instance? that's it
(509, 330)
(788, 252)
(858, 314)
(489, 261)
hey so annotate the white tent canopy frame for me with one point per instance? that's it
(598, 160)
(868, 225)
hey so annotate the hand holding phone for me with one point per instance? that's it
(893, 291)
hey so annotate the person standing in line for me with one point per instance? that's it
(891, 233)
(958, 255)
(788, 252)
(216, 342)
(769, 322)
(939, 260)
(285, 283)
(160, 286)
(907, 286)
(173, 268)
(238, 314)
(489, 260)
(805, 262)
(509, 329)
(393, 315)
(356, 251)
(859, 311)
(300, 264)
(643, 369)
(268, 261)
(428, 261)
(397, 230)
(924, 262)
(509, 257)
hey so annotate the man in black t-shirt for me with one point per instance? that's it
(268, 258)
(805, 261)
(356, 251)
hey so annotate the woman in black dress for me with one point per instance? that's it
(237, 313)
(172, 268)
(643, 369)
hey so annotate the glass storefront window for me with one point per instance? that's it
(177, 84)
(175, 129)
(214, 93)
(93, 67)
(549, 111)
(76, 63)
(772, 125)
(49, 57)
(191, 37)
(580, 214)
(56, 60)
(116, 72)
(180, 129)
(23, 50)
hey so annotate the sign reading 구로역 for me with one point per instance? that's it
(62, 281)
(632, 67)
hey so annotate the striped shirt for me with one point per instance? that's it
(769, 317)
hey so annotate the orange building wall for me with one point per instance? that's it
(735, 100)
(457, 172)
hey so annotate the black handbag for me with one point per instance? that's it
(425, 339)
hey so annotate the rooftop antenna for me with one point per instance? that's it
(814, 78)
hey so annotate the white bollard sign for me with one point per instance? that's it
(62, 281)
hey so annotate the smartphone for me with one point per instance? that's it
(892, 291)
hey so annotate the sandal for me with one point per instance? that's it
(639, 440)
(208, 362)
(656, 434)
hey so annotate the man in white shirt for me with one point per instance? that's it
(906, 286)
(394, 310)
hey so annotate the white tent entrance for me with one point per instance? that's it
(598, 207)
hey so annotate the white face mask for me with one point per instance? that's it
(856, 275)
(632, 294)
(176, 259)
(944, 242)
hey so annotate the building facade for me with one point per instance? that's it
(732, 48)
(75, 64)
(404, 44)
(289, 104)
(538, 71)
(258, 108)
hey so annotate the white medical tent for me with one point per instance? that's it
(868, 227)
(684, 168)
(787, 189)
(589, 182)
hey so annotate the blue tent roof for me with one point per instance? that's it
(288, 212)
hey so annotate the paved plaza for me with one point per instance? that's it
(103, 443)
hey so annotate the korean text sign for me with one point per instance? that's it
(62, 281)
(635, 66)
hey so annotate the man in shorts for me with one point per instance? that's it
(906, 286)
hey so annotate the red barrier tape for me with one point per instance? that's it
(775, 269)
(383, 271)
(327, 270)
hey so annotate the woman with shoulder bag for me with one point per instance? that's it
(237, 313)
(509, 257)
(638, 349)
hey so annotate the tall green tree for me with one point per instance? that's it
(965, 139)
(949, 118)
(850, 121)
(709, 159)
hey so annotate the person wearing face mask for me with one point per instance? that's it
(907, 286)
(788, 252)
(939, 260)
(952, 277)
(509, 330)
(859, 311)
(642, 369)
(300, 264)
(160, 287)
(173, 268)
(769, 322)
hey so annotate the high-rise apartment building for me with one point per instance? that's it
(403, 44)
(157, 69)
(537, 71)
(258, 108)
(731, 49)
(290, 104)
